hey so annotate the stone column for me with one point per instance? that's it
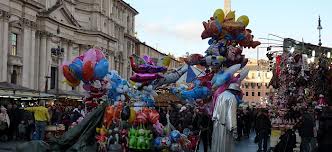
(69, 50)
(33, 56)
(63, 59)
(26, 54)
(36, 60)
(48, 57)
(4, 16)
(42, 61)
(2, 55)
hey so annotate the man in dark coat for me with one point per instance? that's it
(306, 131)
(325, 132)
(263, 129)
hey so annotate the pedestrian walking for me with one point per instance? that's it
(263, 130)
(42, 117)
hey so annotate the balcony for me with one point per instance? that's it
(15, 60)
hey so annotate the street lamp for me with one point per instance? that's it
(57, 52)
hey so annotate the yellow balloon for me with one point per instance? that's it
(230, 16)
(244, 19)
(219, 15)
(132, 116)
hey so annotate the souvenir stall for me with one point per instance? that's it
(299, 85)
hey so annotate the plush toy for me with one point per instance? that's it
(101, 139)
(248, 41)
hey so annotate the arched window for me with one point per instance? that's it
(13, 77)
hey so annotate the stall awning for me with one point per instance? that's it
(14, 90)
(73, 94)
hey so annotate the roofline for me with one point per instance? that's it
(158, 51)
(128, 6)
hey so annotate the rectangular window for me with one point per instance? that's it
(13, 37)
(252, 75)
(247, 94)
(266, 93)
(266, 75)
(53, 77)
(252, 93)
(253, 85)
(247, 85)
(259, 94)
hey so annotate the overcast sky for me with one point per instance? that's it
(175, 26)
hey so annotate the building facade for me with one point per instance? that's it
(29, 29)
(256, 85)
(144, 49)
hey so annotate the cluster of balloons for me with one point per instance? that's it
(90, 66)
(231, 32)
(176, 141)
(140, 138)
(222, 59)
(117, 86)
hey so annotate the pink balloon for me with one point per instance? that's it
(90, 55)
(99, 54)
(138, 77)
(159, 127)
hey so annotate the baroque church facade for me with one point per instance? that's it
(30, 29)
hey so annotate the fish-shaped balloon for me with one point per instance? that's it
(223, 76)
(139, 77)
(170, 77)
(145, 68)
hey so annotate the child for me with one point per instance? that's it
(22, 130)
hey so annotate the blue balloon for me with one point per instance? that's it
(77, 66)
(175, 135)
(186, 131)
(101, 69)
(157, 143)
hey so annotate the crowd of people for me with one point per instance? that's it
(29, 123)
(18, 123)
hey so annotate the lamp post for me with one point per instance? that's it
(57, 52)
(319, 30)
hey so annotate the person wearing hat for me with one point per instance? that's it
(224, 119)
(42, 117)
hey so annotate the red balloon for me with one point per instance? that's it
(69, 75)
(141, 117)
(88, 70)
(154, 116)
(108, 116)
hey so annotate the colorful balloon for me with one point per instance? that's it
(230, 16)
(90, 55)
(244, 19)
(88, 71)
(108, 116)
(138, 77)
(101, 69)
(154, 116)
(132, 116)
(99, 55)
(219, 15)
(222, 77)
(69, 75)
(175, 135)
(76, 67)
